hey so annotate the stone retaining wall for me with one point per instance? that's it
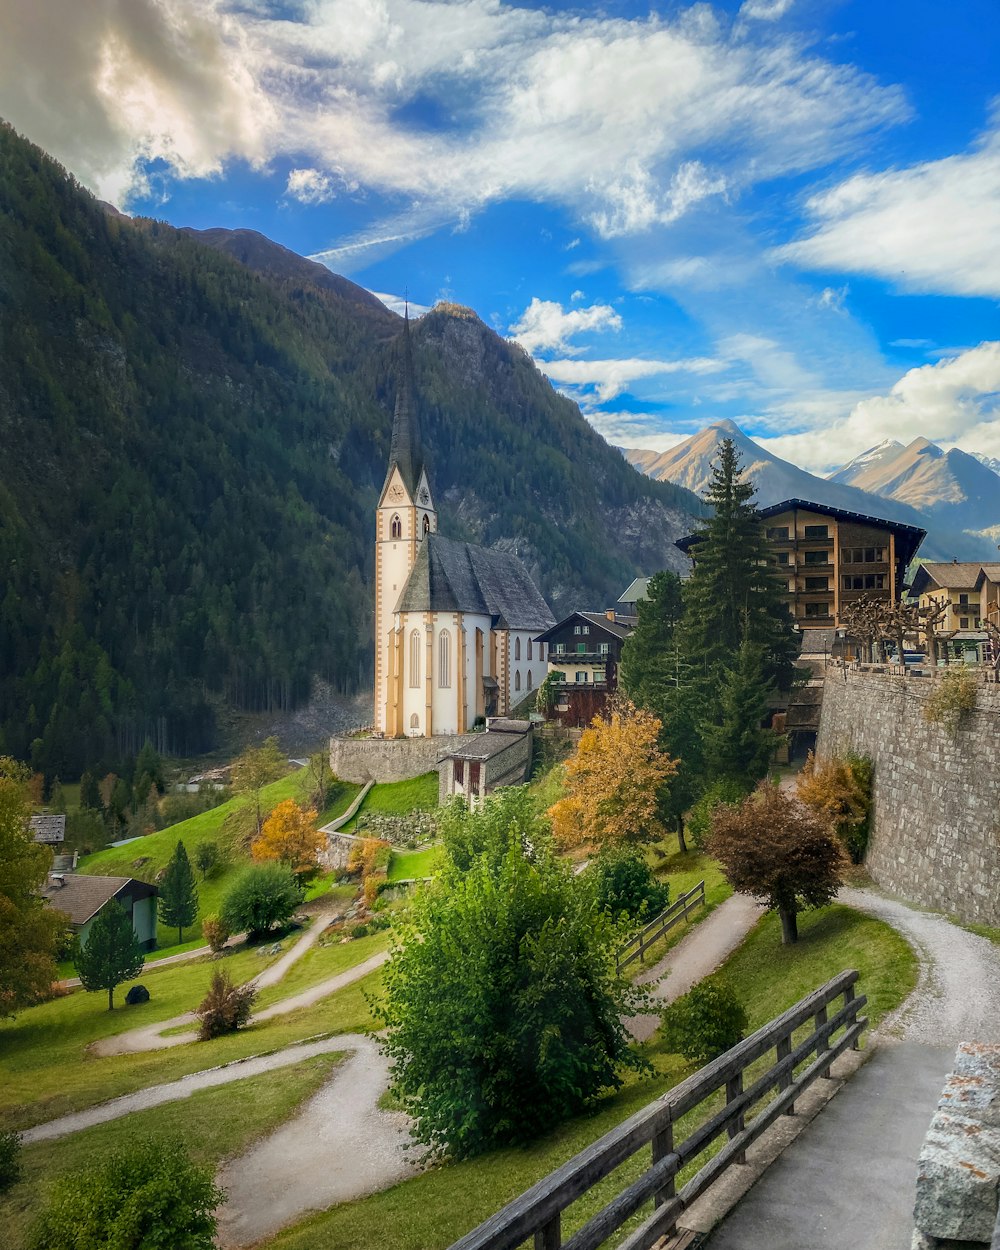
(936, 825)
(387, 759)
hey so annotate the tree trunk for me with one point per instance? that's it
(111, 998)
(682, 845)
(180, 935)
(789, 926)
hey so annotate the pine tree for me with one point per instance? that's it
(646, 667)
(178, 892)
(733, 595)
(735, 745)
(113, 953)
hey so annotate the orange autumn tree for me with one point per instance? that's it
(290, 836)
(614, 780)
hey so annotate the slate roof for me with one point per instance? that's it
(817, 641)
(81, 897)
(614, 629)
(405, 450)
(952, 575)
(449, 576)
(484, 746)
(48, 828)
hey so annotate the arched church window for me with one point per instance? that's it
(396, 527)
(517, 648)
(444, 659)
(530, 681)
(415, 658)
(427, 524)
(414, 721)
(517, 680)
(529, 648)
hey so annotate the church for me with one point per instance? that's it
(455, 624)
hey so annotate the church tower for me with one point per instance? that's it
(404, 515)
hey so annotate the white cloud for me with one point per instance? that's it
(931, 227)
(607, 379)
(309, 186)
(576, 297)
(613, 117)
(544, 326)
(399, 303)
(833, 298)
(765, 10)
(955, 402)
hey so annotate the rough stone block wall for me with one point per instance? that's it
(936, 827)
(391, 759)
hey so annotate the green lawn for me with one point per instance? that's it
(396, 798)
(683, 872)
(214, 1124)
(326, 959)
(156, 849)
(412, 865)
(433, 1210)
(344, 794)
(46, 1069)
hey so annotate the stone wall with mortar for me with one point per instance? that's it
(390, 759)
(936, 827)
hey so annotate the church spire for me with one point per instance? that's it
(405, 450)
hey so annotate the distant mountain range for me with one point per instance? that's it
(952, 495)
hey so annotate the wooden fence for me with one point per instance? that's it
(636, 947)
(538, 1212)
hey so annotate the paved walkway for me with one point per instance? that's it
(696, 955)
(849, 1179)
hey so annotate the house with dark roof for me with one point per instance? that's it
(480, 763)
(584, 650)
(830, 557)
(82, 898)
(454, 623)
(970, 590)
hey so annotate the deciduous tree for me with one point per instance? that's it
(30, 930)
(256, 768)
(113, 953)
(779, 851)
(290, 836)
(840, 791)
(613, 781)
(206, 856)
(178, 892)
(262, 896)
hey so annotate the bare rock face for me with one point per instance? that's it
(958, 1179)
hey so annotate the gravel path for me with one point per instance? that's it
(698, 953)
(849, 1179)
(339, 1147)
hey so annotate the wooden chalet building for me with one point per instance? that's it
(584, 650)
(829, 557)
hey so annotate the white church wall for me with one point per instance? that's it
(521, 668)
(445, 697)
(472, 623)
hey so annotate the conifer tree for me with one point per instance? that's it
(113, 953)
(735, 745)
(90, 794)
(646, 667)
(178, 892)
(733, 595)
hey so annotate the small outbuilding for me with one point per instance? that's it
(482, 762)
(82, 898)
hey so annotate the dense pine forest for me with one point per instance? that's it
(194, 428)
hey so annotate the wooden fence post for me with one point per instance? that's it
(848, 1002)
(783, 1050)
(823, 1044)
(734, 1087)
(550, 1237)
(663, 1145)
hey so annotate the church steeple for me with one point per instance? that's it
(405, 450)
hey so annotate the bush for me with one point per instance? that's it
(206, 856)
(226, 1007)
(147, 1195)
(215, 933)
(706, 1022)
(625, 885)
(699, 821)
(262, 896)
(10, 1160)
(952, 698)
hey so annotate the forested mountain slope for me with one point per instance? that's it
(194, 429)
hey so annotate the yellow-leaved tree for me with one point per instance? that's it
(290, 835)
(614, 781)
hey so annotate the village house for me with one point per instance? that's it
(82, 898)
(584, 651)
(970, 594)
(481, 763)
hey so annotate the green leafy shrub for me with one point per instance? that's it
(625, 886)
(147, 1195)
(953, 697)
(699, 821)
(10, 1160)
(226, 1007)
(706, 1022)
(262, 896)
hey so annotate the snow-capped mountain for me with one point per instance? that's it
(991, 462)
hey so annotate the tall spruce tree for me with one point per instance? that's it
(178, 892)
(647, 667)
(733, 594)
(113, 953)
(736, 746)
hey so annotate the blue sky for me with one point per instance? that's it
(786, 212)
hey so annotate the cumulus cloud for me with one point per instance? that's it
(765, 10)
(955, 402)
(546, 99)
(399, 304)
(932, 227)
(544, 326)
(309, 186)
(607, 379)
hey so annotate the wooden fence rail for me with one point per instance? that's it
(538, 1212)
(636, 947)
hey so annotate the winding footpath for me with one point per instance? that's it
(849, 1179)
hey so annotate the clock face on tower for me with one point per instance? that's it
(424, 495)
(396, 492)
